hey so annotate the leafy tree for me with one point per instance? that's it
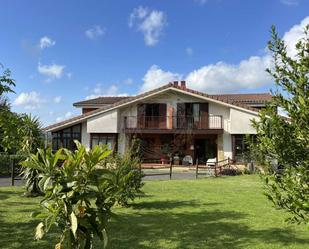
(282, 143)
(80, 188)
(31, 137)
(6, 82)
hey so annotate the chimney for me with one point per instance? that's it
(183, 84)
(175, 83)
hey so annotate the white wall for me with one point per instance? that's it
(103, 123)
(227, 145)
(85, 136)
(241, 122)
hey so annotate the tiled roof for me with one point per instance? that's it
(221, 98)
(100, 101)
(248, 98)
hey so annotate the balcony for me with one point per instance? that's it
(211, 124)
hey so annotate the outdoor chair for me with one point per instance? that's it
(187, 160)
(211, 162)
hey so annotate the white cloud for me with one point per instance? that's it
(189, 51)
(292, 36)
(215, 78)
(57, 99)
(150, 22)
(225, 77)
(290, 2)
(95, 32)
(52, 71)
(67, 115)
(156, 77)
(31, 100)
(99, 91)
(46, 42)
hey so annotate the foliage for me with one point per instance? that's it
(230, 172)
(6, 82)
(283, 142)
(80, 189)
(128, 174)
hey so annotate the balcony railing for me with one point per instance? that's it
(173, 122)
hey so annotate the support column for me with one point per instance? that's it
(220, 151)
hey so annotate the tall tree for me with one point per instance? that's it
(282, 143)
(6, 82)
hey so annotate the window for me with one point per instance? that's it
(103, 139)
(240, 148)
(65, 138)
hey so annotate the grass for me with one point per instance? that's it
(228, 212)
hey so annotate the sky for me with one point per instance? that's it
(61, 52)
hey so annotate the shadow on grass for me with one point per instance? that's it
(161, 205)
(201, 229)
(6, 194)
(21, 235)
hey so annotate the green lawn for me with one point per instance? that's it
(228, 212)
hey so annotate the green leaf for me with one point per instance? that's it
(74, 223)
(39, 231)
(105, 238)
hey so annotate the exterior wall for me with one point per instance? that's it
(216, 109)
(234, 121)
(85, 136)
(227, 145)
(122, 143)
(241, 122)
(104, 123)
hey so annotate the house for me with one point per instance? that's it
(169, 120)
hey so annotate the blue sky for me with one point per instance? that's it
(61, 52)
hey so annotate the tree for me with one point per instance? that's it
(80, 189)
(282, 143)
(6, 82)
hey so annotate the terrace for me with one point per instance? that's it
(212, 124)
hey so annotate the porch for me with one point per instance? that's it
(182, 148)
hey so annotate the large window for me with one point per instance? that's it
(103, 139)
(240, 148)
(65, 138)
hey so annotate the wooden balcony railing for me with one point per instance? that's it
(173, 122)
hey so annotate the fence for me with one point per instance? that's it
(212, 168)
(9, 166)
(157, 167)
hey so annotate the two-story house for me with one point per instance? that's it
(169, 120)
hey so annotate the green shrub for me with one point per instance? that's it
(129, 176)
(230, 172)
(80, 189)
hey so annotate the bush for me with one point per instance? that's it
(80, 188)
(128, 176)
(230, 172)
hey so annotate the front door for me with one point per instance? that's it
(205, 149)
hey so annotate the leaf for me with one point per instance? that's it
(38, 215)
(74, 223)
(105, 238)
(39, 231)
(58, 246)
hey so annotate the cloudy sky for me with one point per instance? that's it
(61, 52)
